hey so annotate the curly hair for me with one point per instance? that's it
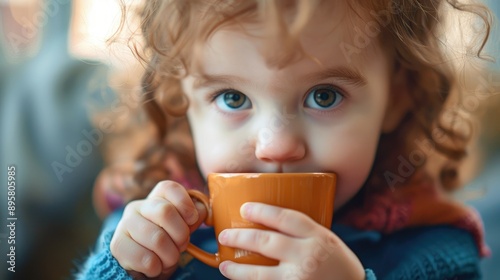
(173, 31)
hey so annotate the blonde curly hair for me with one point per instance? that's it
(172, 31)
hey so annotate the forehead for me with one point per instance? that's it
(332, 35)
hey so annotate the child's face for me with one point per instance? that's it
(305, 117)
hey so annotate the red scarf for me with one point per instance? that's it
(420, 203)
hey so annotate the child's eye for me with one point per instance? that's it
(231, 100)
(323, 97)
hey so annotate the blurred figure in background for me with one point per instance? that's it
(47, 135)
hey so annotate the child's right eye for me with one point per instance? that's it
(232, 100)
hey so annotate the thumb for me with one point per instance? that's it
(202, 215)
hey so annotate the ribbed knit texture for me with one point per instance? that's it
(437, 254)
(430, 253)
(103, 265)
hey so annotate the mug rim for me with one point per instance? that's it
(281, 174)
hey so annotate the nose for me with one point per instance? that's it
(279, 147)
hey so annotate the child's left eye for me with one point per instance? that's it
(323, 97)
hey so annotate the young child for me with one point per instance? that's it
(358, 88)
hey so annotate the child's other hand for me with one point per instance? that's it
(305, 249)
(153, 232)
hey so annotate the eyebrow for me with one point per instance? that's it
(206, 79)
(347, 74)
(343, 73)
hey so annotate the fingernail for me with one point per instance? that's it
(245, 210)
(199, 206)
(223, 267)
(223, 237)
(193, 216)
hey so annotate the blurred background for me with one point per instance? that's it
(55, 76)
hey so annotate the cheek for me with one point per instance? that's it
(352, 173)
(219, 147)
(208, 149)
(220, 151)
(350, 155)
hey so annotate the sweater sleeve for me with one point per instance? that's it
(101, 264)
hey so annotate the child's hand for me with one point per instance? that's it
(153, 232)
(305, 249)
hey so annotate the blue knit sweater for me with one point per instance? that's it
(438, 252)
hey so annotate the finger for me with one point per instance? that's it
(137, 257)
(266, 242)
(284, 220)
(178, 196)
(154, 238)
(238, 271)
(164, 214)
(202, 214)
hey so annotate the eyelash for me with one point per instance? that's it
(335, 110)
(211, 99)
(216, 93)
(212, 96)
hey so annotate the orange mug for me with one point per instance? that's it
(309, 193)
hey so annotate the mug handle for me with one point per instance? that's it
(205, 257)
